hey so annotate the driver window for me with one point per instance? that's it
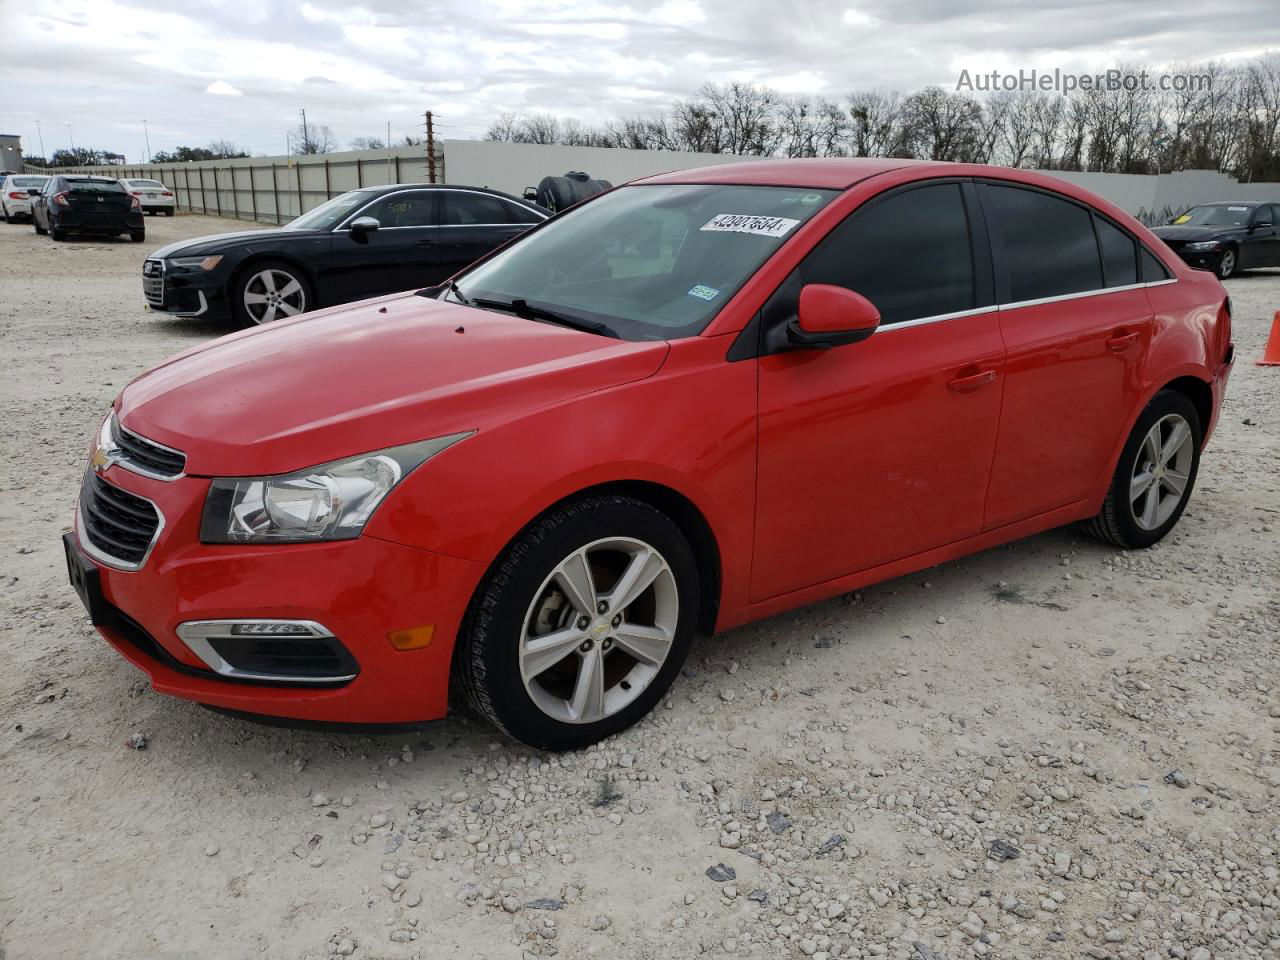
(413, 209)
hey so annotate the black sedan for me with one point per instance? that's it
(361, 244)
(1226, 237)
(95, 205)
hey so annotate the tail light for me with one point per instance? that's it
(61, 199)
(134, 202)
(14, 195)
(134, 193)
(166, 194)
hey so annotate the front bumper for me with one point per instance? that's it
(1204, 260)
(360, 590)
(188, 294)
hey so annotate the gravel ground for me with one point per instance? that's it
(1052, 749)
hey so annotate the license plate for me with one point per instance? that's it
(84, 578)
(153, 196)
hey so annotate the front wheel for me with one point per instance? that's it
(1155, 476)
(269, 290)
(1228, 263)
(36, 223)
(582, 625)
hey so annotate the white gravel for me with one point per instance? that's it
(985, 760)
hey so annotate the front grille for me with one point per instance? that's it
(153, 282)
(151, 456)
(118, 525)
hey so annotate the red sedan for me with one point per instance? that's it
(697, 400)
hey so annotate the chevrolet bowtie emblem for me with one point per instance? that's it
(99, 460)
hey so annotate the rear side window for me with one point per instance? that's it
(463, 209)
(1047, 243)
(1119, 254)
(94, 186)
(909, 254)
(519, 214)
(1152, 269)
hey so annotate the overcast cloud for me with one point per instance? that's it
(240, 69)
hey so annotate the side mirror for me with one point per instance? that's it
(33, 193)
(831, 316)
(361, 227)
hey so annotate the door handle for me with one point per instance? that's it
(1119, 342)
(424, 243)
(971, 383)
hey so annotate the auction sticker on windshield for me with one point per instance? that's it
(750, 223)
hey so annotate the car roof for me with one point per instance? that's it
(831, 173)
(1234, 203)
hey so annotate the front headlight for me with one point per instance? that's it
(1202, 246)
(333, 501)
(197, 263)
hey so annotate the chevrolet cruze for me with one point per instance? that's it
(691, 402)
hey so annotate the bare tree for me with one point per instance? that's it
(313, 138)
(367, 143)
(943, 126)
(877, 126)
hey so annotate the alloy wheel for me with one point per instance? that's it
(1161, 471)
(598, 630)
(271, 294)
(1227, 265)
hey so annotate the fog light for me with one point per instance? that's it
(415, 638)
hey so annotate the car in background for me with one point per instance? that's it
(98, 206)
(360, 244)
(1226, 237)
(689, 403)
(154, 196)
(15, 195)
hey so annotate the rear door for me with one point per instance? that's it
(400, 255)
(98, 203)
(874, 451)
(1264, 238)
(1077, 322)
(473, 223)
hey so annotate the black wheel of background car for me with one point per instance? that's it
(4, 214)
(1228, 263)
(1155, 476)
(267, 290)
(168, 213)
(56, 234)
(582, 624)
(137, 236)
(36, 223)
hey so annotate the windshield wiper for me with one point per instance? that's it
(453, 288)
(522, 308)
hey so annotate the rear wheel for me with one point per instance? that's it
(169, 212)
(57, 233)
(582, 625)
(137, 236)
(270, 290)
(1155, 476)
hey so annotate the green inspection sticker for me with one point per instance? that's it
(703, 292)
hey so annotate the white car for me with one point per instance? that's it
(15, 201)
(154, 196)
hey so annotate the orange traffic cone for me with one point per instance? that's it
(1271, 356)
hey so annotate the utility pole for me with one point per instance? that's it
(431, 149)
(146, 136)
(71, 138)
(40, 137)
(306, 140)
(390, 178)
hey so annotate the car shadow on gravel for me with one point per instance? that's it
(192, 327)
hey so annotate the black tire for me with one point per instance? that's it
(238, 310)
(1116, 523)
(138, 236)
(36, 223)
(57, 235)
(168, 212)
(1228, 263)
(486, 660)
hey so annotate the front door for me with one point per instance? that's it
(879, 450)
(402, 254)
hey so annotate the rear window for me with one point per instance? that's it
(152, 184)
(1048, 243)
(1119, 258)
(27, 183)
(1153, 270)
(94, 186)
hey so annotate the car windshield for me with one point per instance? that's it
(649, 262)
(328, 214)
(1215, 215)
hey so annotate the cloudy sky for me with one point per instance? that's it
(92, 70)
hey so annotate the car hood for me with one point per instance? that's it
(1194, 234)
(349, 380)
(222, 242)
